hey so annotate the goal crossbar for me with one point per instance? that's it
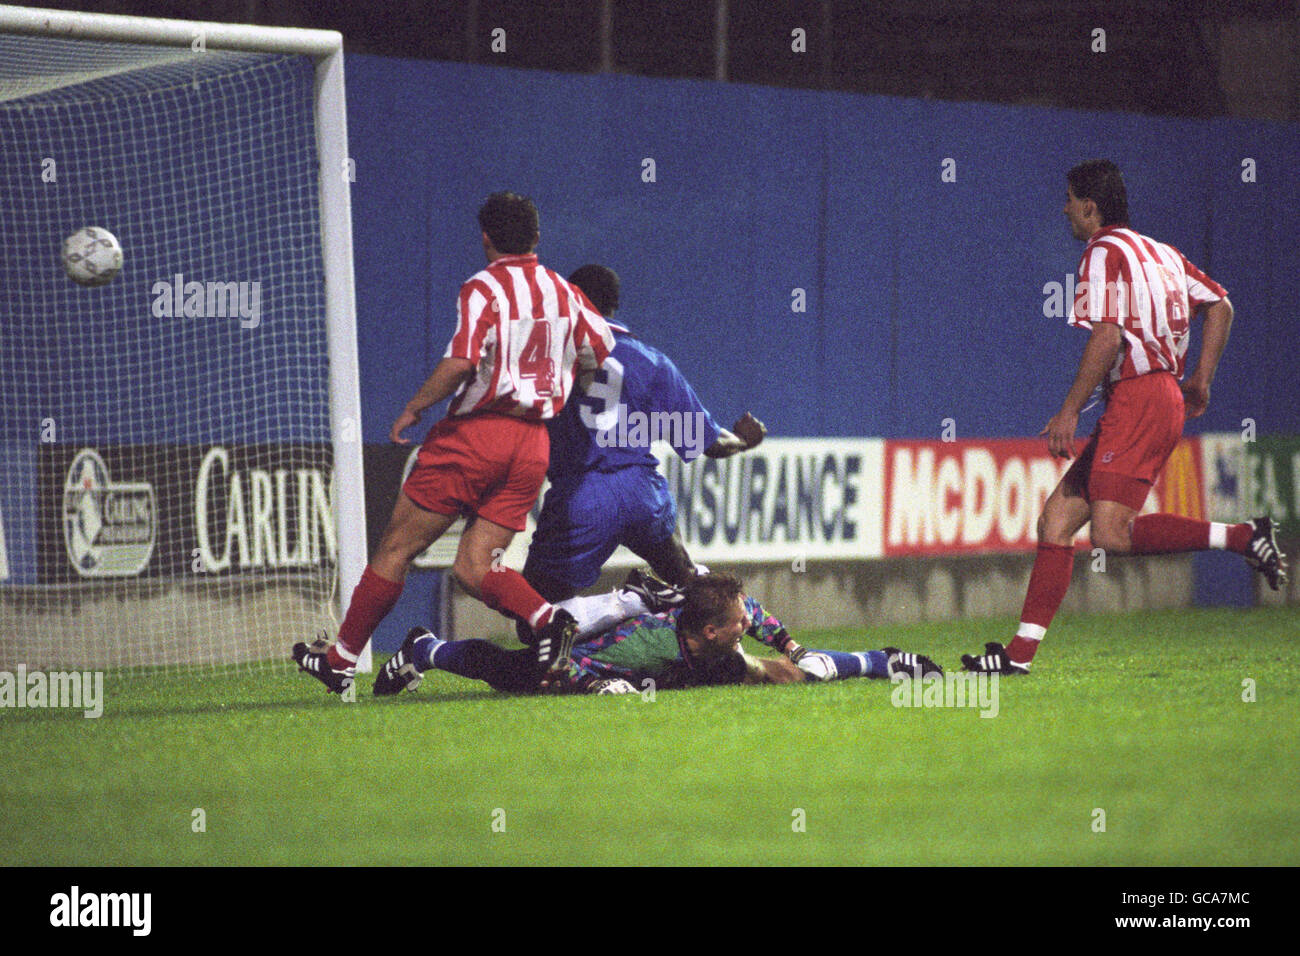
(118, 28)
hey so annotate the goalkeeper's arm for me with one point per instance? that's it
(770, 670)
(808, 666)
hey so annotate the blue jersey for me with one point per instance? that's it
(638, 396)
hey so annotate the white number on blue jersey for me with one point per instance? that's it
(607, 390)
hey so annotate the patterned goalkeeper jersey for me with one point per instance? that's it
(649, 647)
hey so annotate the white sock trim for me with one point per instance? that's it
(437, 642)
(539, 614)
(866, 665)
(345, 653)
(1031, 632)
(1218, 536)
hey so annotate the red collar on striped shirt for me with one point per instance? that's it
(1105, 231)
(515, 259)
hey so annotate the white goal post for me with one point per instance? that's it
(325, 50)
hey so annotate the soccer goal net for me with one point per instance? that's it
(180, 456)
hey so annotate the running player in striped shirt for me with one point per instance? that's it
(691, 645)
(1137, 297)
(521, 332)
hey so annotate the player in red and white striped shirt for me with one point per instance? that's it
(522, 332)
(1137, 297)
(529, 325)
(1150, 291)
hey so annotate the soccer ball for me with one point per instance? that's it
(92, 256)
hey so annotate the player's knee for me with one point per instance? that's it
(1111, 538)
(468, 574)
(392, 554)
(1053, 529)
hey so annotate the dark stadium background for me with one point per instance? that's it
(1171, 57)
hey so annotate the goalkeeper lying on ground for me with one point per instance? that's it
(622, 644)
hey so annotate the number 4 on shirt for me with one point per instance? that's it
(535, 361)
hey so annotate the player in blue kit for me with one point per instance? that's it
(606, 489)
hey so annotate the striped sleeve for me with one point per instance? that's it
(1201, 289)
(473, 320)
(592, 336)
(1099, 293)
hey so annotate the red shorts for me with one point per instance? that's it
(1136, 435)
(487, 464)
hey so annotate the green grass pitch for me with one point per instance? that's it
(1139, 715)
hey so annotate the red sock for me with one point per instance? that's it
(1173, 534)
(506, 591)
(1048, 583)
(1239, 536)
(373, 598)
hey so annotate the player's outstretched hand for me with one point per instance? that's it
(404, 421)
(1196, 397)
(749, 430)
(1060, 431)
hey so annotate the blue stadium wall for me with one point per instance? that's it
(924, 298)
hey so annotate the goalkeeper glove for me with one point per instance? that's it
(816, 665)
(610, 685)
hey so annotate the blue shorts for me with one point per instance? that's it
(583, 522)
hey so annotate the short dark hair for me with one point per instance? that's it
(510, 221)
(1101, 181)
(600, 284)
(709, 600)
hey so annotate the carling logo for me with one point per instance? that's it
(109, 527)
